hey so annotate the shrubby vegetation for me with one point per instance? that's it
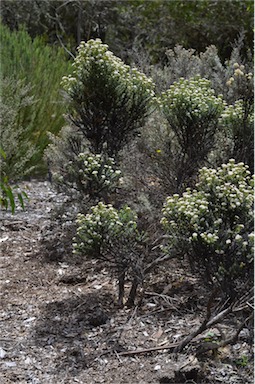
(213, 225)
(127, 26)
(95, 176)
(238, 120)
(30, 77)
(112, 235)
(182, 125)
(108, 100)
(192, 111)
(10, 195)
(16, 140)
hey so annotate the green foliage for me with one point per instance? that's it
(15, 133)
(192, 111)
(159, 25)
(238, 121)
(213, 225)
(55, 20)
(155, 25)
(108, 100)
(40, 69)
(242, 361)
(9, 194)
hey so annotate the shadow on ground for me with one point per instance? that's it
(73, 327)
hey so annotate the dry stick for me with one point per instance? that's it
(146, 350)
(156, 262)
(178, 347)
(207, 323)
(230, 340)
(201, 328)
(175, 346)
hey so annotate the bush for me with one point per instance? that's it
(238, 123)
(15, 133)
(10, 194)
(108, 100)
(213, 225)
(78, 172)
(39, 68)
(111, 235)
(192, 111)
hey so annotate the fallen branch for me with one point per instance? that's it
(146, 350)
(210, 321)
(178, 347)
(202, 326)
(231, 340)
(161, 259)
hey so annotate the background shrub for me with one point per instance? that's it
(10, 196)
(237, 121)
(213, 225)
(16, 141)
(39, 68)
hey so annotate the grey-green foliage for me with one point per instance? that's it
(187, 63)
(39, 68)
(10, 195)
(16, 142)
(233, 79)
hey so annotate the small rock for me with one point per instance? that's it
(2, 353)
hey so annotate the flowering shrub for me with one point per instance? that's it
(213, 224)
(192, 111)
(99, 172)
(240, 84)
(239, 117)
(238, 120)
(111, 235)
(108, 100)
(97, 229)
(93, 175)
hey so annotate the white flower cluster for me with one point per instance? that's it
(94, 59)
(101, 172)
(216, 213)
(234, 114)
(239, 75)
(104, 223)
(191, 96)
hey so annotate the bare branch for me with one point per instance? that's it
(63, 46)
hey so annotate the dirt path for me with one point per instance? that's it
(56, 328)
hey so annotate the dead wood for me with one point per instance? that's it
(210, 321)
(146, 350)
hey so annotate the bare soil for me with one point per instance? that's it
(60, 323)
